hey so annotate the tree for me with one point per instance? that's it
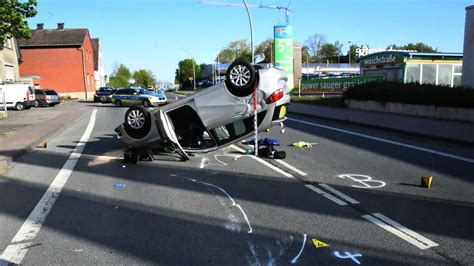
(144, 78)
(352, 52)
(239, 49)
(120, 77)
(12, 19)
(185, 72)
(265, 50)
(315, 43)
(419, 47)
(329, 52)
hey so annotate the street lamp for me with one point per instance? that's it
(194, 68)
(349, 42)
(251, 30)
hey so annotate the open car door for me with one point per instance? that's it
(168, 130)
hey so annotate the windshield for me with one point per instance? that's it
(105, 89)
(51, 92)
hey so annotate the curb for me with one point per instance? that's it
(407, 132)
(6, 161)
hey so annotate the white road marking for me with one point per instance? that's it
(396, 229)
(326, 195)
(340, 194)
(231, 199)
(294, 169)
(295, 259)
(365, 180)
(405, 230)
(444, 154)
(16, 251)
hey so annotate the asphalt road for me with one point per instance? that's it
(228, 208)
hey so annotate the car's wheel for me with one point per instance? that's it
(37, 104)
(137, 122)
(240, 78)
(118, 103)
(279, 155)
(19, 106)
(131, 157)
(146, 103)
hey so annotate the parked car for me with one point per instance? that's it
(218, 116)
(18, 96)
(46, 97)
(103, 94)
(137, 96)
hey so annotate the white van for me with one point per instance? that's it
(18, 96)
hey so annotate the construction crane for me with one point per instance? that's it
(287, 10)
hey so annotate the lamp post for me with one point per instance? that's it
(349, 42)
(194, 68)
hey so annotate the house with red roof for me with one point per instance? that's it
(63, 59)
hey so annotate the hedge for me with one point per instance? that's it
(412, 93)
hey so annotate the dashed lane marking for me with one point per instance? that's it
(326, 195)
(340, 194)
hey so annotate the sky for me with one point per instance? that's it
(157, 34)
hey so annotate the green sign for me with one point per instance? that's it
(334, 85)
(283, 40)
(381, 60)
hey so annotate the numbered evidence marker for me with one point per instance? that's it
(348, 256)
(364, 180)
(319, 244)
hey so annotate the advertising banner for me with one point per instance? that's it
(381, 60)
(283, 42)
(334, 85)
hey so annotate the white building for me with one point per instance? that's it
(9, 59)
(99, 73)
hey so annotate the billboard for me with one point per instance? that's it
(334, 85)
(283, 47)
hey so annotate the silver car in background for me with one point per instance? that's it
(210, 119)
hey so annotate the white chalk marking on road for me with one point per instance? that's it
(364, 180)
(291, 167)
(405, 230)
(396, 230)
(203, 162)
(16, 251)
(444, 154)
(340, 194)
(326, 195)
(231, 199)
(295, 259)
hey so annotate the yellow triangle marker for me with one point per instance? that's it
(319, 244)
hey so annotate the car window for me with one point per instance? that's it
(51, 92)
(122, 92)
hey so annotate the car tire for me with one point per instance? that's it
(19, 106)
(279, 155)
(240, 78)
(146, 103)
(131, 157)
(36, 104)
(118, 103)
(137, 122)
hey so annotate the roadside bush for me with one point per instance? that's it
(412, 93)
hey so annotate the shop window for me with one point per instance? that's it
(445, 74)
(429, 74)
(457, 69)
(457, 80)
(413, 73)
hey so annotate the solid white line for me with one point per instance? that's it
(448, 155)
(340, 194)
(405, 230)
(326, 195)
(294, 169)
(295, 259)
(263, 162)
(272, 166)
(396, 232)
(16, 251)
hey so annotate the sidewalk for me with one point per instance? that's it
(24, 131)
(454, 131)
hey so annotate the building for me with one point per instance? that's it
(433, 68)
(99, 73)
(62, 58)
(9, 60)
(468, 64)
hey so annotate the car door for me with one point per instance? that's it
(164, 123)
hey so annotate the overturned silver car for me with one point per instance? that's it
(210, 119)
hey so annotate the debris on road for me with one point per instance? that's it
(303, 144)
(426, 181)
(119, 185)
